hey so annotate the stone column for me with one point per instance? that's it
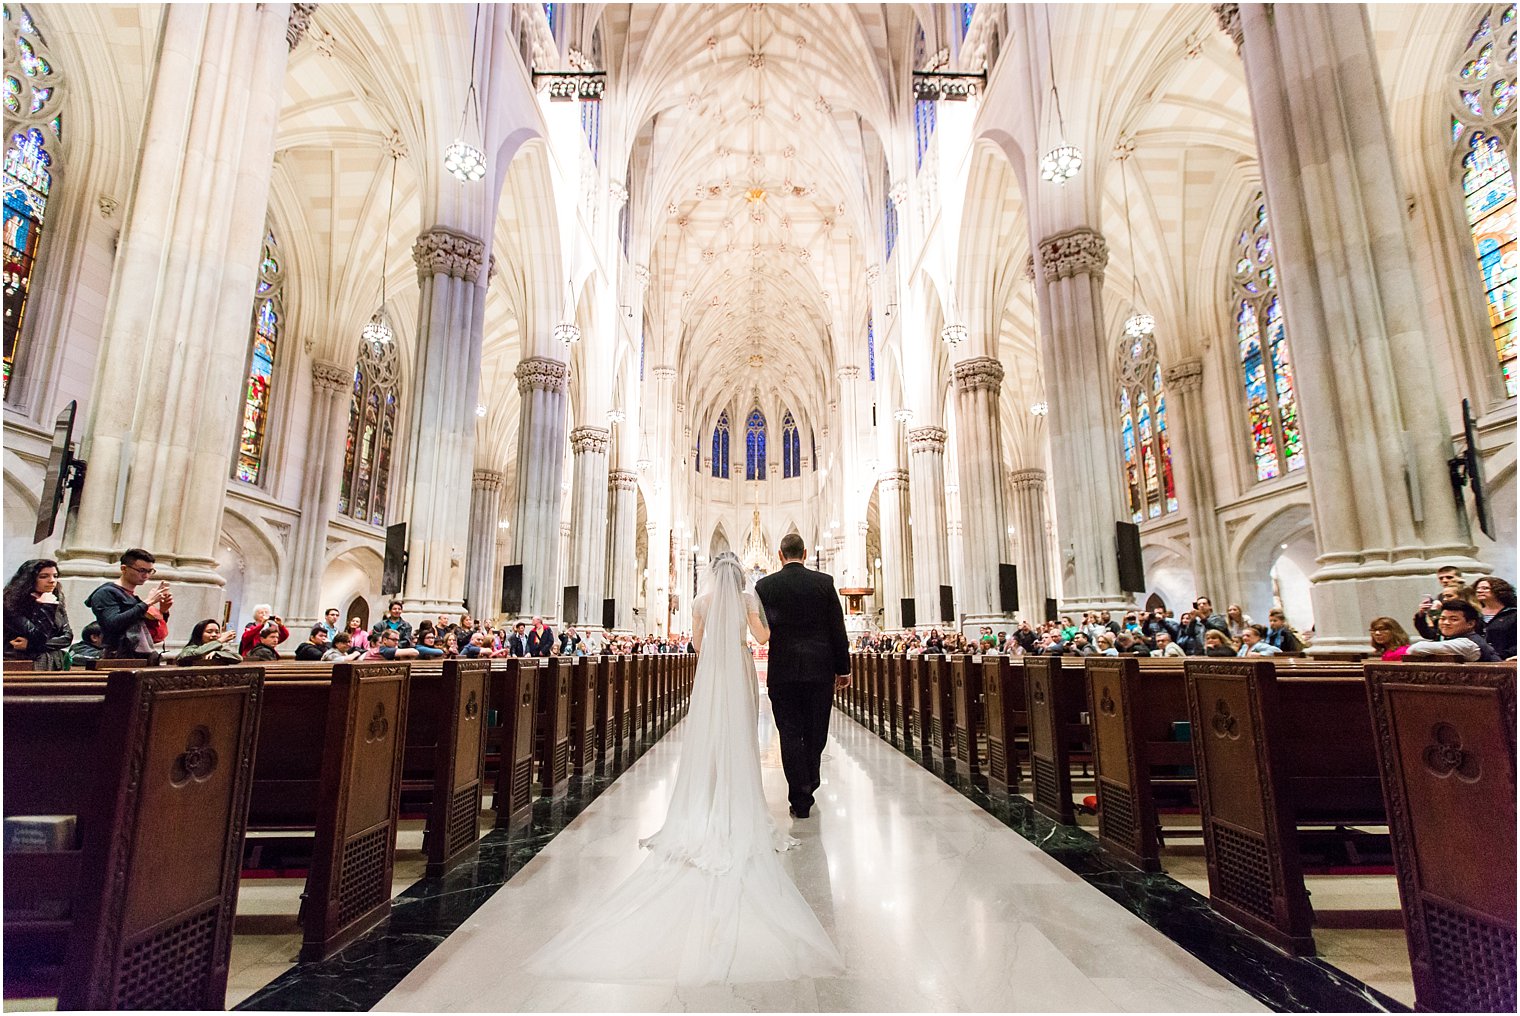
(1031, 529)
(622, 563)
(1089, 491)
(161, 423)
(441, 438)
(979, 459)
(896, 546)
(540, 463)
(482, 581)
(332, 392)
(931, 552)
(849, 566)
(1376, 440)
(1189, 434)
(588, 518)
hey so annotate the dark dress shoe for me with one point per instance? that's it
(797, 812)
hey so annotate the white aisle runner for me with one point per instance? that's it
(935, 905)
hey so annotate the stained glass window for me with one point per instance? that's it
(720, 447)
(925, 119)
(891, 219)
(591, 126)
(268, 319)
(1143, 437)
(871, 347)
(791, 448)
(34, 130)
(371, 433)
(1482, 129)
(754, 445)
(1261, 336)
(967, 10)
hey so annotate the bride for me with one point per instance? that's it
(712, 901)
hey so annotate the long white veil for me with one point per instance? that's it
(712, 902)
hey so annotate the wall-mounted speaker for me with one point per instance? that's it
(511, 590)
(909, 612)
(1008, 588)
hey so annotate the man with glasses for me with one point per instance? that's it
(130, 626)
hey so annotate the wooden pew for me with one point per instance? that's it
(966, 697)
(585, 684)
(1273, 754)
(551, 736)
(1445, 739)
(916, 670)
(512, 698)
(446, 747)
(156, 768)
(1056, 697)
(1006, 717)
(904, 697)
(638, 700)
(616, 717)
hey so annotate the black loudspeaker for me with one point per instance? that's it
(909, 612)
(609, 613)
(947, 604)
(1051, 613)
(511, 590)
(572, 611)
(394, 574)
(1008, 588)
(1131, 564)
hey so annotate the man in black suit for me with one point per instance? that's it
(809, 658)
(540, 639)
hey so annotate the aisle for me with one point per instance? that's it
(935, 905)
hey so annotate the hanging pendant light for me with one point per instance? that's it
(378, 333)
(464, 160)
(1138, 325)
(1064, 161)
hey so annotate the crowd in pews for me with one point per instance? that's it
(1473, 623)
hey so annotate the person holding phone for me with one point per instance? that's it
(131, 626)
(253, 633)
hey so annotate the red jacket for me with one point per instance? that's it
(251, 636)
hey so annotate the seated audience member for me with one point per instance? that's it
(1389, 639)
(450, 646)
(342, 650)
(1253, 642)
(36, 622)
(131, 627)
(315, 646)
(88, 646)
(253, 633)
(264, 650)
(1281, 634)
(427, 643)
(1129, 643)
(1427, 622)
(1448, 577)
(1217, 643)
(357, 636)
(208, 644)
(1166, 645)
(1496, 602)
(1237, 620)
(1459, 636)
(389, 647)
(1105, 644)
(477, 645)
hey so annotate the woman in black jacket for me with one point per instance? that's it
(36, 622)
(1496, 602)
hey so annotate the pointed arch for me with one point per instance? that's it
(720, 447)
(1261, 334)
(754, 445)
(263, 343)
(372, 419)
(791, 447)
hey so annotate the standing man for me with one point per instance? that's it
(540, 639)
(130, 626)
(393, 621)
(330, 622)
(809, 658)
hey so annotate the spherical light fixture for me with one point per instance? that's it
(567, 332)
(465, 162)
(1061, 163)
(1138, 326)
(953, 335)
(378, 334)
(1041, 408)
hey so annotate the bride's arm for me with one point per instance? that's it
(757, 623)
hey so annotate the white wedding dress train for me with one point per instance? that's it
(712, 902)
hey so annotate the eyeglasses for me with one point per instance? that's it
(147, 571)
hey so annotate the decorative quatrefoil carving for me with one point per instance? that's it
(378, 725)
(472, 707)
(1106, 703)
(1446, 756)
(197, 762)
(1224, 722)
(1039, 694)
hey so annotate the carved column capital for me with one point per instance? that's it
(300, 21)
(1027, 479)
(622, 479)
(1029, 267)
(848, 373)
(1080, 251)
(333, 378)
(928, 439)
(589, 439)
(1184, 375)
(664, 373)
(1229, 23)
(977, 373)
(542, 373)
(487, 480)
(894, 480)
(440, 251)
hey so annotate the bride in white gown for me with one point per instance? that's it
(712, 902)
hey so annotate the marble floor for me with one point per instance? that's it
(935, 903)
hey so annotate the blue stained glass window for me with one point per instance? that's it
(791, 448)
(967, 10)
(754, 445)
(925, 119)
(871, 347)
(591, 126)
(891, 219)
(1261, 336)
(268, 316)
(720, 447)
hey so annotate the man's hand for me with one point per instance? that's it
(841, 681)
(19, 643)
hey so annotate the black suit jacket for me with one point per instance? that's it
(808, 641)
(541, 645)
